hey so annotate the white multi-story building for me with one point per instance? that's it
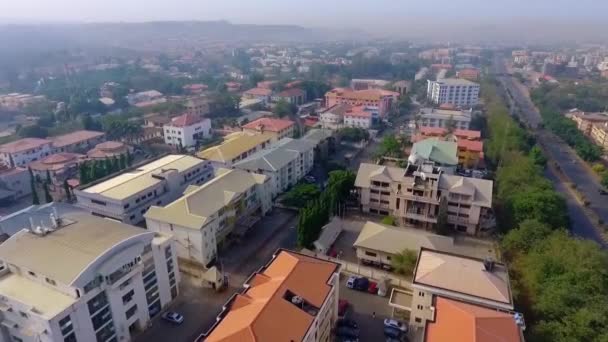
(361, 117)
(128, 196)
(433, 117)
(292, 298)
(185, 130)
(201, 220)
(456, 91)
(24, 151)
(84, 278)
(286, 163)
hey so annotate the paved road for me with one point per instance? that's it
(559, 152)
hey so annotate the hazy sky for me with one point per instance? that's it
(327, 13)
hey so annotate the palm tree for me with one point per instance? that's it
(404, 262)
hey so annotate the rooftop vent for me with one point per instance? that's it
(488, 264)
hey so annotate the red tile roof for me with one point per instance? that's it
(460, 322)
(291, 92)
(185, 120)
(75, 138)
(467, 134)
(56, 161)
(266, 84)
(23, 145)
(359, 111)
(470, 145)
(258, 92)
(269, 124)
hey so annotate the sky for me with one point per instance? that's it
(318, 13)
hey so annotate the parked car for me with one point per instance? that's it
(350, 282)
(393, 323)
(602, 191)
(357, 283)
(393, 333)
(310, 179)
(373, 287)
(343, 322)
(342, 307)
(347, 332)
(173, 317)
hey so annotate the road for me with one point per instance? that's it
(559, 152)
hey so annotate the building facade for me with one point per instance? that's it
(186, 130)
(59, 167)
(16, 180)
(77, 142)
(236, 147)
(433, 117)
(24, 151)
(458, 92)
(128, 196)
(599, 135)
(378, 98)
(84, 278)
(280, 128)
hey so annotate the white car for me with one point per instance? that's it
(173, 317)
(393, 323)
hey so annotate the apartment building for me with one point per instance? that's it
(455, 91)
(60, 167)
(15, 182)
(24, 151)
(599, 135)
(292, 298)
(186, 130)
(378, 98)
(295, 96)
(77, 142)
(416, 195)
(206, 215)
(197, 106)
(470, 146)
(128, 196)
(433, 117)
(586, 121)
(236, 147)
(261, 94)
(84, 278)
(280, 128)
(361, 117)
(451, 291)
(333, 117)
(285, 164)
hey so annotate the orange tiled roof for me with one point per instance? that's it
(460, 322)
(361, 95)
(184, 120)
(258, 92)
(269, 124)
(470, 145)
(23, 145)
(262, 313)
(467, 134)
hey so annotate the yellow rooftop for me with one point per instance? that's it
(137, 180)
(235, 145)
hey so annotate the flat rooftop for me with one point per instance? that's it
(137, 180)
(44, 300)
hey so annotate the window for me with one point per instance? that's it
(128, 297)
(371, 254)
(126, 206)
(418, 320)
(420, 307)
(50, 281)
(420, 294)
(131, 311)
(98, 202)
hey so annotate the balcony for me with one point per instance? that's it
(457, 219)
(423, 199)
(420, 217)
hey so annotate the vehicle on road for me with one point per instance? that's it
(393, 333)
(343, 322)
(357, 283)
(393, 323)
(602, 191)
(347, 332)
(173, 317)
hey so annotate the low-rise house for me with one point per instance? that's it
(156, 120)
(24, 151)
(361, 116)
(333, 117)
(236, 147)
(203, 218)
(262, 94)
(433, 117)
(586, 121)
(292, 298)
(294, 96)
(127, 196)
(233, 87)
(85, 278)
(402, 87)
(416, 195)
(377, 244)
(280, 128)
(449, 288)
(329, 235)
(599, 135)
(108, 149)
(60, 167)
(186, 130)
(285, 163)
(470, 146)
(76, 142)
(14, 183)
(440, 153)
(378, 98)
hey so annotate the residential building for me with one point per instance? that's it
(60, 167)
(458, 92)
(186, 130)
(292, 298)
(14, 183)
(266, 84)
(146, 97)
(377, 244)
(333, 117)
(285, 163)
(280, 128)
(520, 57)
(440, 153)
(195, 89)
(202, 219)
(197, 106)
(449, 288)
(470, 146)
(599, 135)
(108, 149)
(84, 278)
(324, 140)
(361, 117)
(434, 117)
(416, 195)
(460, 321)
(262, 94)
(76, 142)
(366, 84)
(402, 87)
(586, 121)
(295, 96)
(24, 151)
(156, 120)
(468, 74)
(128, 196)
(236, 146)
(381, 99)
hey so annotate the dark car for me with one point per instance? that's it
(347, 332)
(392, 332)
(343, 322)
(342, 307)
(602, 191)
(361, 284)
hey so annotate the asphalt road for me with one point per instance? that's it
(559, 152)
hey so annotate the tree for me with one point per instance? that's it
(404, 262)
(538, 156)
(122, 161)
(68, 192)
(115, 164)
(33, 131)
(35, 199)
(84, 173)
(48, 176)
(47, 194)
(544, 205)
(388, 220)
(390, 147)
(527, 235)
(604, 179)
(301, 194)
(129, 158)
(353, 134)
(441, 227)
